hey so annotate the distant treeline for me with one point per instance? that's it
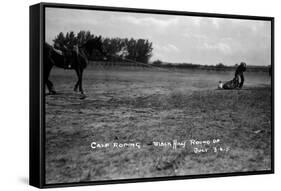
(116, 49)
(218, 67)
(179, 66)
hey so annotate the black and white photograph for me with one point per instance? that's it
(136, 95)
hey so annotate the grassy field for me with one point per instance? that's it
(129, 105)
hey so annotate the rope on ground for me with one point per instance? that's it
(140, 63)
(144, 64)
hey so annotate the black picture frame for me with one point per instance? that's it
(37, 91)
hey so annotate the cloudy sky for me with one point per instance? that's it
(175, 38)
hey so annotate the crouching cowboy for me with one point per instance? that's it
(239, 74)
(237, 81)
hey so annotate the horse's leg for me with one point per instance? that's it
(78, 76)
(50, 87)
(49, 84)
(80, 82)
(79, 71)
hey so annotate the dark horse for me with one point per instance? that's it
(69, 59)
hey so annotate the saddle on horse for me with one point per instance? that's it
(73, 57)
(70, 59)
(67, 61)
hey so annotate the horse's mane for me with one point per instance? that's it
(92, 44)
(47, 46)
(53, 49)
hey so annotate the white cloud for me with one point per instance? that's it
(222, 47)
(196, 20)
(216, 23)
(165, 52)
(149, 21)
(166, 48)
(199, 37)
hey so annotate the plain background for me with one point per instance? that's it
(14, 96)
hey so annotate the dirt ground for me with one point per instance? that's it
(221, 130)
